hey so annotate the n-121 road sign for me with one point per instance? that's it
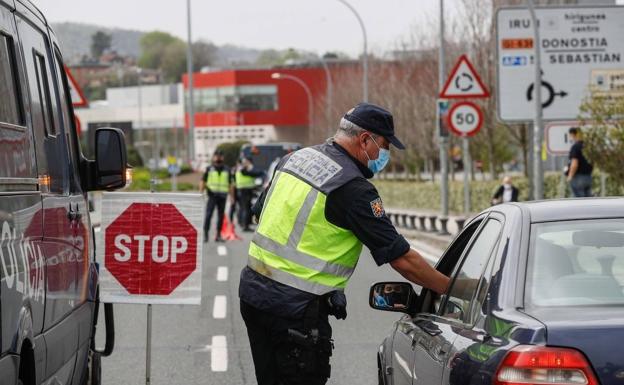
(465, 119)
(151, 248)
(574, 43)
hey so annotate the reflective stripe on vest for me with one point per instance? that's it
(296, 245)
(218, 182)
(244, 181)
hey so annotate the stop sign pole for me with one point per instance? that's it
(150, 251)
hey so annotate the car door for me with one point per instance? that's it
(438, 331)
(407, 333)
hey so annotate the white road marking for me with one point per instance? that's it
(97, 229)
(219, 308)
(222, 273)
(222, 250)
(218, 354)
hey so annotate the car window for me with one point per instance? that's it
(448, 264)
(466, 280)
(576, 263)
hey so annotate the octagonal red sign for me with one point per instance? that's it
(150, 248)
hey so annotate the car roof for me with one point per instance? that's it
(573, 208)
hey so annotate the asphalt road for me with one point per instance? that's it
(208, 344)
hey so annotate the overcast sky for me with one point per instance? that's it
(315, 25)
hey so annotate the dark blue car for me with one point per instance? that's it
(537, 297)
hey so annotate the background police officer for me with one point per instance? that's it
(316, 214)
(216, 181)
(245, 179)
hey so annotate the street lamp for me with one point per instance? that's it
(280, 76)
(365, 54)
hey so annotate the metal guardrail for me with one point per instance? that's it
(426, 222)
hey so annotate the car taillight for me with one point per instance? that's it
(531, 364)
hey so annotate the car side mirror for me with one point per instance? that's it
(392, 296)
(108, 170)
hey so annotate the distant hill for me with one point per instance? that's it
(75, 39)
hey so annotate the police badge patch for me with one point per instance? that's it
(377, 207)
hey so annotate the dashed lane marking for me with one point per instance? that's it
(222, 250)
(222, 273)
(219, 308)
(219, 354)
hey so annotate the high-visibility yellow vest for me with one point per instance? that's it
(244, 181)
(218, 182)
(294, 243)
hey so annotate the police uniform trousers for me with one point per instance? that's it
(215, 200)
(283, 359)
(245, 195)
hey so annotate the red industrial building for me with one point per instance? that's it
(251, 105)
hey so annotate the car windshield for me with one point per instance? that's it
(576, 263)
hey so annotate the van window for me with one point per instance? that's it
(10, 108)
(44, 94)
(68, 118)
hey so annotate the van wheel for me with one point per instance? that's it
(380, 374)
(95, 368)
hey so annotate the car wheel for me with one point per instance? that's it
(380, 373)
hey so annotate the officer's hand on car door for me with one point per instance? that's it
(337, 304)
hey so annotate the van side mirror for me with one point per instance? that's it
(108, 170)
(392, 296)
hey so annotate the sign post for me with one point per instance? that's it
(465, 120)
(150, 250)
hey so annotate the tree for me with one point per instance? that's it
(153, 47)
(100, 42)
(604, 137)
(204, 54)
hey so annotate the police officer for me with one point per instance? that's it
(316, 214)
(216, 181)
(245, 178)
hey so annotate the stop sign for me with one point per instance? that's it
(150, 248)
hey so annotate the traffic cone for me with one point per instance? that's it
(227, 230)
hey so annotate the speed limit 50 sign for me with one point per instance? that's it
(465, 119)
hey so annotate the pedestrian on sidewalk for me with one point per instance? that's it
(579, 170)
(315, 216)
(216, 181)
(506, 192)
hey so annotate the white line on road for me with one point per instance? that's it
(222, 273)
(220, 307)
(222, 250)
(218, 354)
(96, 229)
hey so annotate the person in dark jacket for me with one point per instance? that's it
(506, 192)
(579, 169)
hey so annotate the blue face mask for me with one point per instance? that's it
(376, 165)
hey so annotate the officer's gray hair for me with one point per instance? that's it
(348, 129)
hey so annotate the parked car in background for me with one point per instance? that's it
(537, 297)
(49, 278)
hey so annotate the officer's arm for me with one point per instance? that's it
(574, 163)
(413, 267)
(202, 186)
